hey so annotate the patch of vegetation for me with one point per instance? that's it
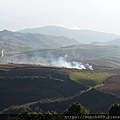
(114, 109)
(15, 109)
(76, 109)
(90, 78)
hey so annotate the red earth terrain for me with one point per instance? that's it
(111, 85)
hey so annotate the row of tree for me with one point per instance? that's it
(25, 113)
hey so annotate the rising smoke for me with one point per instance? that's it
(2, 53)
(47, 59)
(63, 62)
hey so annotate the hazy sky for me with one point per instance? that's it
(100, 15)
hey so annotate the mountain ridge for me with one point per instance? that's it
(9, 39)
(82, 36)
(114, 42)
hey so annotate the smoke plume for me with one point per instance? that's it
(2, 53)
(47, 59)
(63, 62)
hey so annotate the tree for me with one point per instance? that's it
(38, 110)
(114, 109)
(15, 110)
(76, 109)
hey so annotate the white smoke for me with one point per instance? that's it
(2, 53)
(89, 66)
(62, 62)
(48, 60)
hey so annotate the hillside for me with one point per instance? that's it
(49, 88)
(26, 41)
(114, 42)
(20, 84)
(82, 36)
(93, 100)
(111, 85)
(97, 56)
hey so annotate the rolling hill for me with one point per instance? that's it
(93, 100)
(82, 36)
(20, 84)
(16, 41)
(111, 85)
(48, 88)
(115, 42)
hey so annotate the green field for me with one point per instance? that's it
(91, 78)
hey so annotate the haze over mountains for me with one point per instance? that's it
(51, 37)
(114, 42)
(17, 40)
(42, 63)
(82, 36)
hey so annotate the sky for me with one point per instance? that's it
(98, 15)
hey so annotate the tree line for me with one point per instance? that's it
(26, 113)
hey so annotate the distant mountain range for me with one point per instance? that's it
(82, 36)
(115, 42)
(18, 40)
(51, 37)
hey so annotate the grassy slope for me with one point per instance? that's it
(97, 55)
(23, 42)
(90, 78)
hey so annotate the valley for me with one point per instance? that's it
(51, 72)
